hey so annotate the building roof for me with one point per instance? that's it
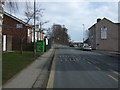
(15, 18)
(91, 26)
(102, 20)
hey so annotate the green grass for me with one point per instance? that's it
(14, 62)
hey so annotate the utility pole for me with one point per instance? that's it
(42, 23)
(40, 30)
(83, 32)
(34, 28)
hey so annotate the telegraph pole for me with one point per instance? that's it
(83, 32)
(34, 28)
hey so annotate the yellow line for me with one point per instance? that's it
(113, 78)
(51, 77)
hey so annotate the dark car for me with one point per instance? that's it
(71, 45)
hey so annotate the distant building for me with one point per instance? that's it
(104, 35)
(15, 32)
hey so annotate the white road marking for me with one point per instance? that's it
(112, 78)
(115, 72)
(109, 64)
(98, 68)
(73, 59)
(89, 62)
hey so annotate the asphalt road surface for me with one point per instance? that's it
(73, 68)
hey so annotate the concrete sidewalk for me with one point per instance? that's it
(33, 76)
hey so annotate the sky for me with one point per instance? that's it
(74, 14)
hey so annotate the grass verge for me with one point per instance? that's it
(14, 62)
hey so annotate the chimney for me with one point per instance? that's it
(98, 20)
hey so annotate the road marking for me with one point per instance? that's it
(112, 78)
(94, 62)
(98, 68)
(115, 72)
(89, 62)
(73, 59)
(109, 64)
(52, 74)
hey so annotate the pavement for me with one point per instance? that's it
(35, 75)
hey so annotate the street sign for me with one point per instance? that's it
(36, 27)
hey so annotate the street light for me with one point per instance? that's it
(83, 32)
(42, 23)
(40, 30)
(34, 29)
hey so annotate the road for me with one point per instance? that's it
(73, 68)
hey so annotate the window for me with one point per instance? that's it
(19, 26)
(104, 33)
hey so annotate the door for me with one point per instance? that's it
(4, 42)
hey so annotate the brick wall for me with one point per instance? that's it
(9, 28)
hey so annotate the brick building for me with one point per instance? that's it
(104, 35)
(1, 17)
(15, 33)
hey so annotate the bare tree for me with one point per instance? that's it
(60, 35)
(29, 13)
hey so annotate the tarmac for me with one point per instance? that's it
(108, 53)
(34, 75)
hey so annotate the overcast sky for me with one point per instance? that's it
(74, 14)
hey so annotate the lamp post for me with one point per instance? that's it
(42, 23)
(83, 32)
(34, 29)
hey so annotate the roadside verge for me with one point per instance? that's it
(29, 76)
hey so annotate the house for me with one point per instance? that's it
(104, 35)
(1, 16)
(15, 33)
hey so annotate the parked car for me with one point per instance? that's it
(86, 47)
(71, 45)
